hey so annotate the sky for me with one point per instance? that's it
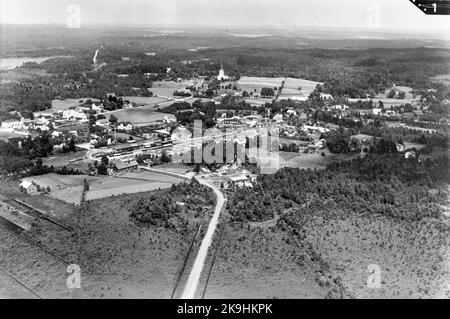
(371, 14)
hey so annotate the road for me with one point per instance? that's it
(194, 276)
(197, 268)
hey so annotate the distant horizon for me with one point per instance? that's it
(180, 27)
(399, 16)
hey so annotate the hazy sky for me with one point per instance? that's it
(386, 14)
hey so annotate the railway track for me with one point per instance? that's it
(37, 214)
(4, 225)
(20, 283)
(33, 253)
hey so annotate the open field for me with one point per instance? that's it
(175, 168)
(6, 134)
(166, 88)
(142, 100)
(62, 105)
(55, 181)
(63, 159)
(250, 83)
(413, 256)
(418, 128)
(53, 207)
(444, 78)
(140, 116)
(261, 263)
(313, 161)
(16, 75)
(291, 87)
(129, 183)
(69, 188)
(119, 259)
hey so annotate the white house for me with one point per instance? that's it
(97, 108)
(326, 96)
(14, 124)
(56, 134)
(340, 107)
(122, 127)
(28, 187)
(410, 154)
(376, 111)
(291, 112)
(241, 181)
(72, 114)
(278, 118)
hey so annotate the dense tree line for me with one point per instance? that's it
(379, 184)
(161, 208)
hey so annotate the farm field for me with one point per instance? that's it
(62, 105)
(69, 188)
(166, 88)
(418, 128)
(291, 87)
(250, 83)
(313, 161)
(129, 183)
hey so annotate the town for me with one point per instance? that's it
(178, 162)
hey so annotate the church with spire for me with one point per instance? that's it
(222, 76)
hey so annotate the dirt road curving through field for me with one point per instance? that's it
(194, 276)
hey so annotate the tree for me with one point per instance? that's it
(72, 147)
(113, 119)
(267, 92)
(102, 169)
(401, 95)
(165, 158)
(391, 94)
(105, 160)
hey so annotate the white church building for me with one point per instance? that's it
(222, 76)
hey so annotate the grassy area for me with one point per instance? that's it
(261, 263)
(313, 161)
(411, 255)
(141, 115)
(250, 84)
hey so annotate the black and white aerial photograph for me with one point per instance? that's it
(234, 150)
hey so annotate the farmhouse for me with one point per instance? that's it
(241, 181)
(119, 166)
(28, 187)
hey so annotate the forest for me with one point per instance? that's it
(345, 73)
(384, 184)
(172, 208)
